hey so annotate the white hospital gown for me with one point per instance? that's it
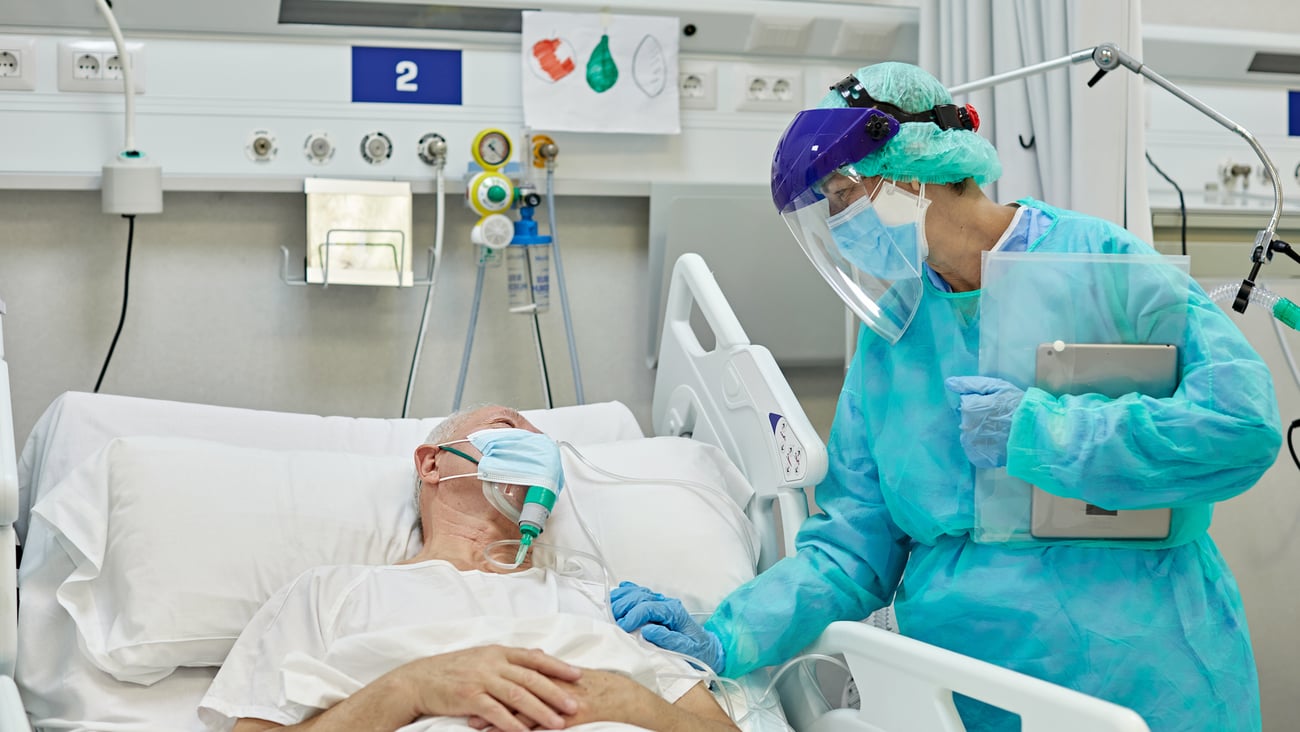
(335, 629)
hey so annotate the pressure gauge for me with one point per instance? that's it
(491, 149)
(490, 192)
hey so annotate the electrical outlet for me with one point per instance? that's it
(697, 87)
(770, 89)
(17, 63)
(94, 66)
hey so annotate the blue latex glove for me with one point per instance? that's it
(664, 622)
(986, 408)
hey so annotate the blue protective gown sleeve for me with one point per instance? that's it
(1211, 440)
(848, 563)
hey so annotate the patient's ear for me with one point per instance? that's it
(425, 465)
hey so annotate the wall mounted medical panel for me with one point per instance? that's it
(207, 98)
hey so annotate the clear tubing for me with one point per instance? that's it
(704, 491)
(428, 297)
(763, 701)
(608, 580)
(577, 514)
(1260, 295)
(559, 553)
(559, 278)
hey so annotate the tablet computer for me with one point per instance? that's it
(1112, 370)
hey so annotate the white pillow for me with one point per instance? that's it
(689, 542)
(177, 542)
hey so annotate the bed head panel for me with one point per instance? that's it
(733, 396)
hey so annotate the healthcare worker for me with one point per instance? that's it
(888, 208)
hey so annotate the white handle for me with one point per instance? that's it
(702, 288)
(907, 685)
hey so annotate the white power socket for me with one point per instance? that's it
(17, 63)
(769, 89)
(697, 86)
(94, 66)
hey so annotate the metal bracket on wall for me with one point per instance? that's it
(324, 249)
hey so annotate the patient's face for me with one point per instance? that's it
(493, 417)
(487, 418)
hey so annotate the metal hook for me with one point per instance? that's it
(1023, 144)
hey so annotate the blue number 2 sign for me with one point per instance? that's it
(406, 75)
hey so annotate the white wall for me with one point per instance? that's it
(210, 320)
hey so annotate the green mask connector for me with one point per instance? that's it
(526, 536)
(538, 503)
(1287, 312)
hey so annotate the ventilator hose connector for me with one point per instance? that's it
(1283, 309)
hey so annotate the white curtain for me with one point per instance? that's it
(1059, 140)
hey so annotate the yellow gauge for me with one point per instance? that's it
(491, 149)
(490, 192)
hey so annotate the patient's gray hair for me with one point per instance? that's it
(443, 432)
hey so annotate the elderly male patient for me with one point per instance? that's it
(445, 639)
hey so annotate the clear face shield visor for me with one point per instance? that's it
(866, 237)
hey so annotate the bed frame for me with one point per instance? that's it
(733, 396)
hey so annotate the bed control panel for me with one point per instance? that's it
(789, 449)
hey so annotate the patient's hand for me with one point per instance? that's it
(602, 696)
(606, 696)
(495, 683)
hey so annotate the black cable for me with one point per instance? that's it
(126, 290)
(1182, 206)
(1290, 441)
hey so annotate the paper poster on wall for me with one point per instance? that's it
(589, 72)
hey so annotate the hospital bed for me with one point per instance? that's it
(152, 530)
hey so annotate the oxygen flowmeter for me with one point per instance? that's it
(490, 191)
(493, 187)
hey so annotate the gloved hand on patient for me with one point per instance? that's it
(665, 622)
(987, 405)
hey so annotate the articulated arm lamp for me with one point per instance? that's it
(1108, 57)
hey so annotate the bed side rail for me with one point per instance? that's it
(735, 397)
(8, 514)
(907, 685)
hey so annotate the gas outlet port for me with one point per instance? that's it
(432, 149)
(376, 148)
(261, 147)
(318, 147)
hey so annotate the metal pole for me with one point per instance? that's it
(537, 332)
(1108, 57)
(1137, 67)
(428, 295)
(469, 336)
(1039, 68)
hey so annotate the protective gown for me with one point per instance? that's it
(1159, 629)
